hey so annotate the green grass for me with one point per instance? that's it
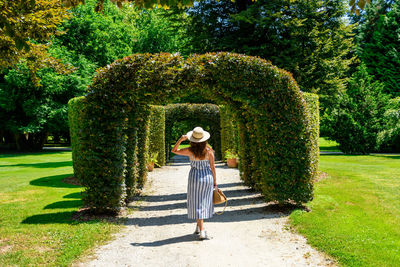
(35, 212)
(356, 210)
(327, 145)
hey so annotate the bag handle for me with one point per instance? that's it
(219, 213)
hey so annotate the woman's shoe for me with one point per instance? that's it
(203, 235)
(197, 231)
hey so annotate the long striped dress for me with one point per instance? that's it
(200, 190)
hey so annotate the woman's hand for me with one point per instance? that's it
(184, 137)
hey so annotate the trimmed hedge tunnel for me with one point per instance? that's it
(278, 149)
(198, 114)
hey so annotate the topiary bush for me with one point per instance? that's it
(229, 131)
(277, 136)
(205, 115)
(76, 107)
(157, 133)
(388, 139)
(312, 101)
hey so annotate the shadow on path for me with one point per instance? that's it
(168, 241)
(242, 199)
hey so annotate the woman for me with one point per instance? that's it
(202, 177)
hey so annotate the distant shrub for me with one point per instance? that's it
(388, 139)
(357, 119)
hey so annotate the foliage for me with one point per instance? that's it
(356, 120)
(100, 37)
(38, 212)
(378, 43)
(230, 154)
(312, 102)
(356, 5)
(388, 139)
(76, 107)
(229, 131)
(310, 39)
(90, 40)
(158, 31)
(157, 135)
(205, 115)
(153, 158)
(25, 26)
(355, 211)
(28, 109)
(274, 119)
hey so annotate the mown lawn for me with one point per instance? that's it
(356, 210)
(35, 212)
(328, 145)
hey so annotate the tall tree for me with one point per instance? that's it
(25, 26)
(378, 43)
(308, 38)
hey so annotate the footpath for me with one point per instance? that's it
(249, 233)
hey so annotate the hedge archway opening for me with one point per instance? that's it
(197, 114)
(278, 134)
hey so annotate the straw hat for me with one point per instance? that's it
(198, 135)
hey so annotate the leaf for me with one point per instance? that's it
(361, 4)
(352, 2)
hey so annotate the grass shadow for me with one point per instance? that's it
(386, 156)
(50, 218)
(53, 181)
(65, 204)
(12, 153)
(42, 164)
(74, 195)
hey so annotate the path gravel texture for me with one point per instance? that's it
(159, 233)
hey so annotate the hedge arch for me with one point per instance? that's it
(201, 114)
(278, 150)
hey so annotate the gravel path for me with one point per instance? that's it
(247, 234)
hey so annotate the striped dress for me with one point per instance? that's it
(200, 190)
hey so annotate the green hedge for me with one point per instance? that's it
(157, 133)
(76, 126)
(229, 131)
(278, 148)
(204, 115)
(312, 101)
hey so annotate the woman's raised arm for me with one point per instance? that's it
(176, 150)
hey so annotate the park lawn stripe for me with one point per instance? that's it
(36, 208)
(356, 210)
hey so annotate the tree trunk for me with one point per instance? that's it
(30, 141)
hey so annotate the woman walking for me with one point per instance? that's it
(202, 178)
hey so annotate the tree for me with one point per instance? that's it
(378, 44)
(29, 112)
(90, 40)
(389, 137)
(308, 38)
(24, 27)
(356, 120)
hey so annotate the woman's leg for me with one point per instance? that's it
(200, 224)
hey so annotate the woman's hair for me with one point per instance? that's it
(198, 149)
